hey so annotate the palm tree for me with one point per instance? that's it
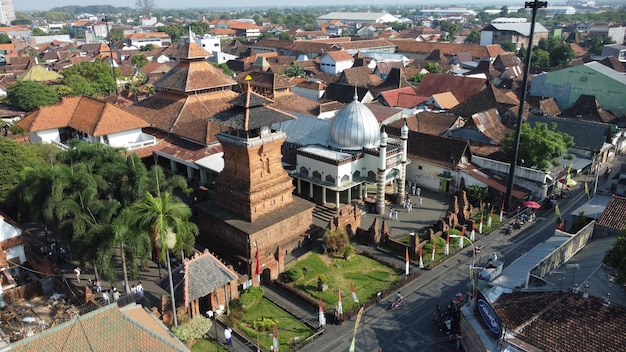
(166, 217)
(134, 245)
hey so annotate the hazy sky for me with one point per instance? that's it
(25, 5)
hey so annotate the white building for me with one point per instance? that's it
(88, 119)
(335, 62)
(358, 17)
(7, 12)
(337, 160)
(11, 241)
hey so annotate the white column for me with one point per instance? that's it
(404, 136)
(299, 186)
(323, 195)
(382, 171)
(311, 190)
(350, 195)
(173, 166)
(337, 199)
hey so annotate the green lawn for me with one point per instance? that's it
(368, 277)
(288, 327)
(205, 345)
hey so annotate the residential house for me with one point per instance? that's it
(312, 89)
(344, 93)
(613, 218)
(88, 119)
(39, 73)
(616, 50)
(12, 251)
(461, 87)
(335, 62)
(142, 39)
(421, 50)
(517, 33)
(441, 101)
(593, 78)
(359, 76)
(588, 108)
(483, 127)
(616, 32)
(404, 98)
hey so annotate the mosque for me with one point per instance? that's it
(348, 158)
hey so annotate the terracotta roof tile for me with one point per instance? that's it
(191, 76)
(614, 215)
(462, 87)
(340, 55)
(447, 49)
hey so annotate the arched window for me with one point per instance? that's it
(330, 179)
(371, 175)
(304, 171)
(317, 175)
(345, 179)
(356, 175)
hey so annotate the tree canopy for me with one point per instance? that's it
(294, 70)
(539, 145)
(473, 37)
(30, 95)
(559, 52)
(616, 258)
(97, 73)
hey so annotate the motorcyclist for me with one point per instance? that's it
(399, 297)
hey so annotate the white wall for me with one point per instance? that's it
(486, 38)
(122, 139)
(46, 136)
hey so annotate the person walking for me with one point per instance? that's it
(228, 334)
(77, 273)
(419, 191)
(421, 201)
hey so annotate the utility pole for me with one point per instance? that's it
(534, 5)
(106, 20)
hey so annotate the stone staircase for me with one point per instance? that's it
(326, 214)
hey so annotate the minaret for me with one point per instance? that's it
(404, 136)
(253, 182)
(382, 174)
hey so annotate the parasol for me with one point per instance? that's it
(532, 205)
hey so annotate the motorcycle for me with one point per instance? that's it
(397, 303)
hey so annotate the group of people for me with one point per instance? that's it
(449, 320)
(412, 187)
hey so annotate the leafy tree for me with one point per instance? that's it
(227, 71)
(594, 45)
(433, 67)
(116, 35)
(521, 53)
(294, 70)
(147, 47)
(539, 145)
(540, 58)
(145, 7)
(285, 36)
(97, 73)
(616, 257)
(16, 157)
(22, 22)
(336, 239)
(139, 60)
(79, 85)
(473, 37)
(30, 95)
(561, 54)
(508, 46)
(4, 39)
(417, 77)
(476, 194)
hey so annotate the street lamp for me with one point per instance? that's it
(472, 276)
(106, 20)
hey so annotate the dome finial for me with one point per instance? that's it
(356, 96)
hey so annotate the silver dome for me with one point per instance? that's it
(354, 127)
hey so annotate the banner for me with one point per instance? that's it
(421, 260)
(462, 237)
(447, 250)
(406, 270)
(501, 211)
(473, 233)
(322, 318)
(356, 326)
(480, 226)
(356, 300)
(258, 266)
(275, 339)
(339, 304)
(490, 216)
(587, 190)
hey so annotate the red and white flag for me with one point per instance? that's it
(322, 318)
(501, 211)
(480, 226)
(258, 266)
(447, 250)
(489, 218)
(354, 298)
(421, 260)
(406, 270)
(275, 339)
(473, 234)
(462, 237)
(339, 304)
(434, 247)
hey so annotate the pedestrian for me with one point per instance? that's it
(413, 189)
(421, 201)
(77, 273)
(98, 286)
(133, 290)
(139, 289)
(116, 294)
(395, 214)
(391, 214)
(229, 336)
(410, 207)
(105, 297)
(419, 191)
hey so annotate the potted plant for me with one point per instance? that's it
(321, 282)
